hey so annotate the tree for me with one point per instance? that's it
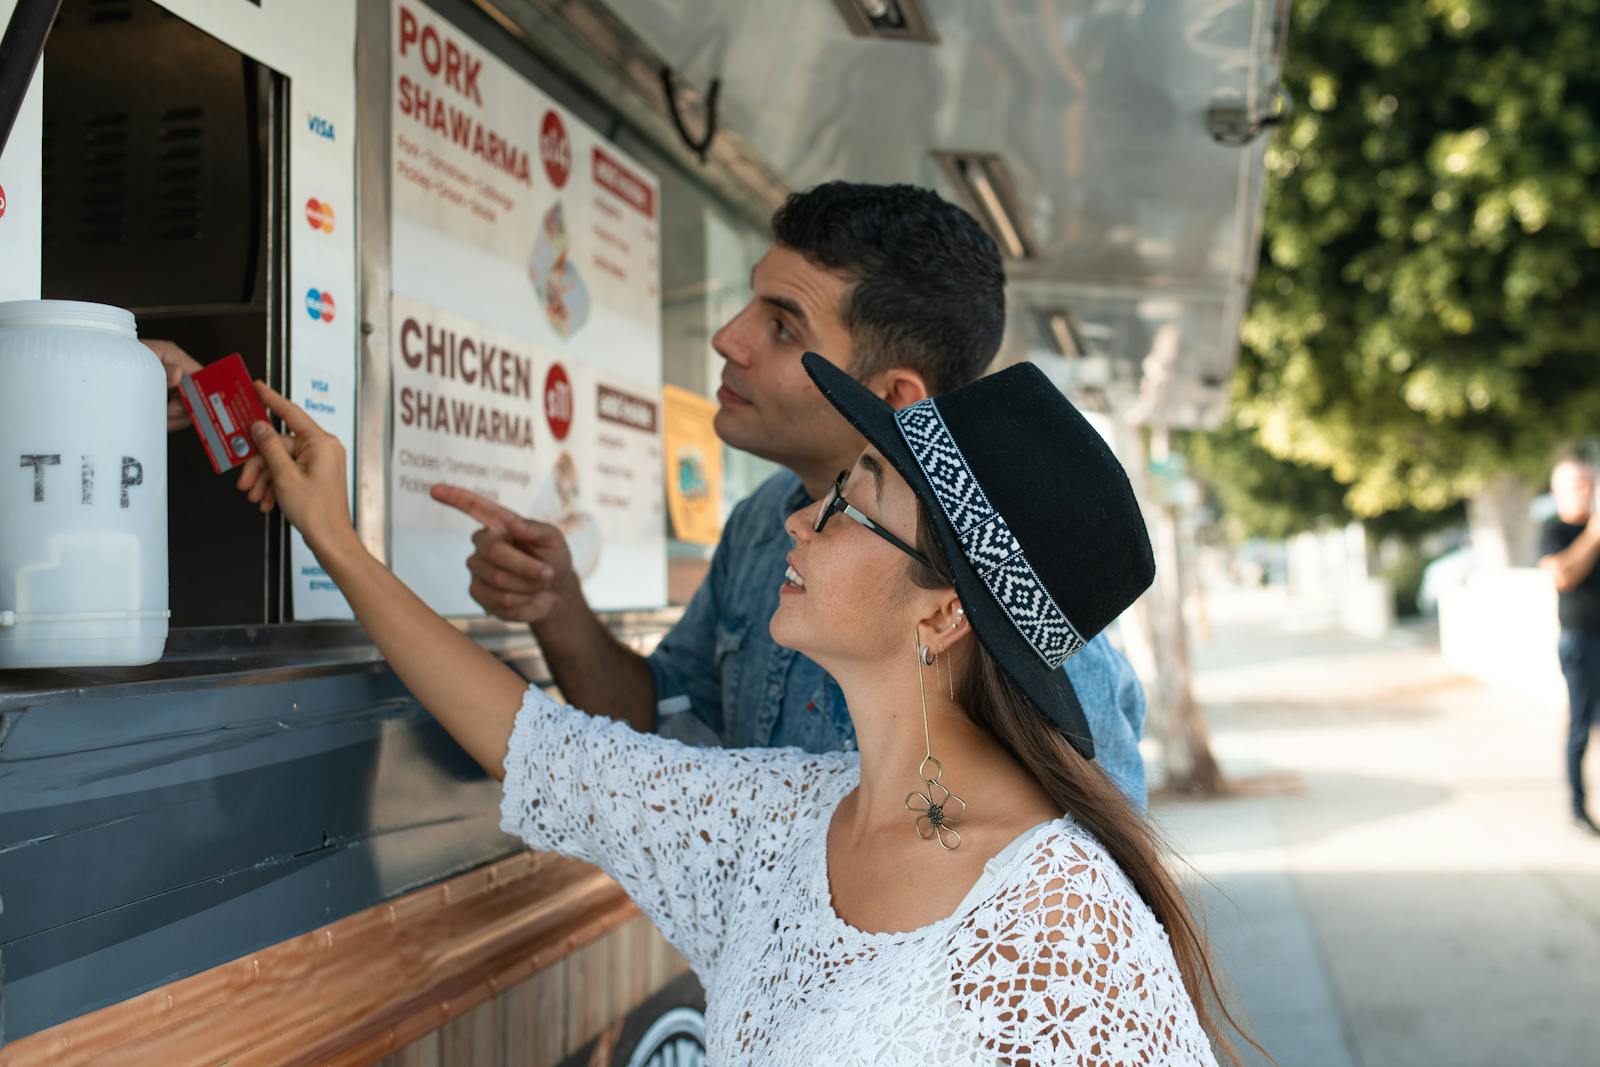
(1426, 316)
(1258, 494)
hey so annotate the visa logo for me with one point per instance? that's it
(319, 126)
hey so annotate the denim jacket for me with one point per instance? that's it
(720, 668)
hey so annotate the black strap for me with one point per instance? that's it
(20, 50)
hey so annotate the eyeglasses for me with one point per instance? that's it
(835, 502)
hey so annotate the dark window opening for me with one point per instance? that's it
(164, 169)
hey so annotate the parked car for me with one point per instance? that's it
(1445, 572)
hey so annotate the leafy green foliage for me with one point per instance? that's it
(1258, 494)
(1427, 310)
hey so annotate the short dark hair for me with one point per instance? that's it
(1575, 456)
(929, 288)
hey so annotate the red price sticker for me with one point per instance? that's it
(558, 401)
(554, 149)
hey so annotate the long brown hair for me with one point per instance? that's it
(1081, 788)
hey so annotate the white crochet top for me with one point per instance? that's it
(725, 850)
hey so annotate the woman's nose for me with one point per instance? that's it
(801, 524)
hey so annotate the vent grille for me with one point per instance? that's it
(154, 156)
(102, 219)
(179, 209)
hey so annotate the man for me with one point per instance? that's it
(1569, 546)
(907, 292)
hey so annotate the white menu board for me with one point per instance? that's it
(323, 309)
(526, 323)
(22, 190)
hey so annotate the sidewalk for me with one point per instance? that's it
(1403, 889)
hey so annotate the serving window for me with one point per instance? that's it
(163, 170)
(166, 160)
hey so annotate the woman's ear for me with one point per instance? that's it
(945, 626)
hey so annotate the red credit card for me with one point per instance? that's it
(222, 401)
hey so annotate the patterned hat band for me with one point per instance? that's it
(986, 540)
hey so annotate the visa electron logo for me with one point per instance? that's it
(554, 149)
(319, 214)
(319, 126)
(319, 305)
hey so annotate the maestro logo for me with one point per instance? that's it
(319, 126)
(319, 213)
(319, 305)
(558, 401)
(2, 201)
(555, 150)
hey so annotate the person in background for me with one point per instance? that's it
(176, 362)
(1569, 546)
(905, 290)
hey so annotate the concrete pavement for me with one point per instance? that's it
(1397, 885)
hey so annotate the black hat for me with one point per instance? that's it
(1044, 537)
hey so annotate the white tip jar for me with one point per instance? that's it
(83, 488)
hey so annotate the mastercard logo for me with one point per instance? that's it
(319, 305)
(320, 215)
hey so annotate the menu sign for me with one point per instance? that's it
(22, 191)
(525, 323)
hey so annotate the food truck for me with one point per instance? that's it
(487, 242)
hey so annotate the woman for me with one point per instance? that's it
(966, 887)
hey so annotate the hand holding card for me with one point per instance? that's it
(222, 403)
(307, 466)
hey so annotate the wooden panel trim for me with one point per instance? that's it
(355, 990)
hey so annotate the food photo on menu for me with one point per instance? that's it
(555, 277)
(557, 503)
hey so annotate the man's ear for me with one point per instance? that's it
(900, 386)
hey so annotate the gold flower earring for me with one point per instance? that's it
(934, 804)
